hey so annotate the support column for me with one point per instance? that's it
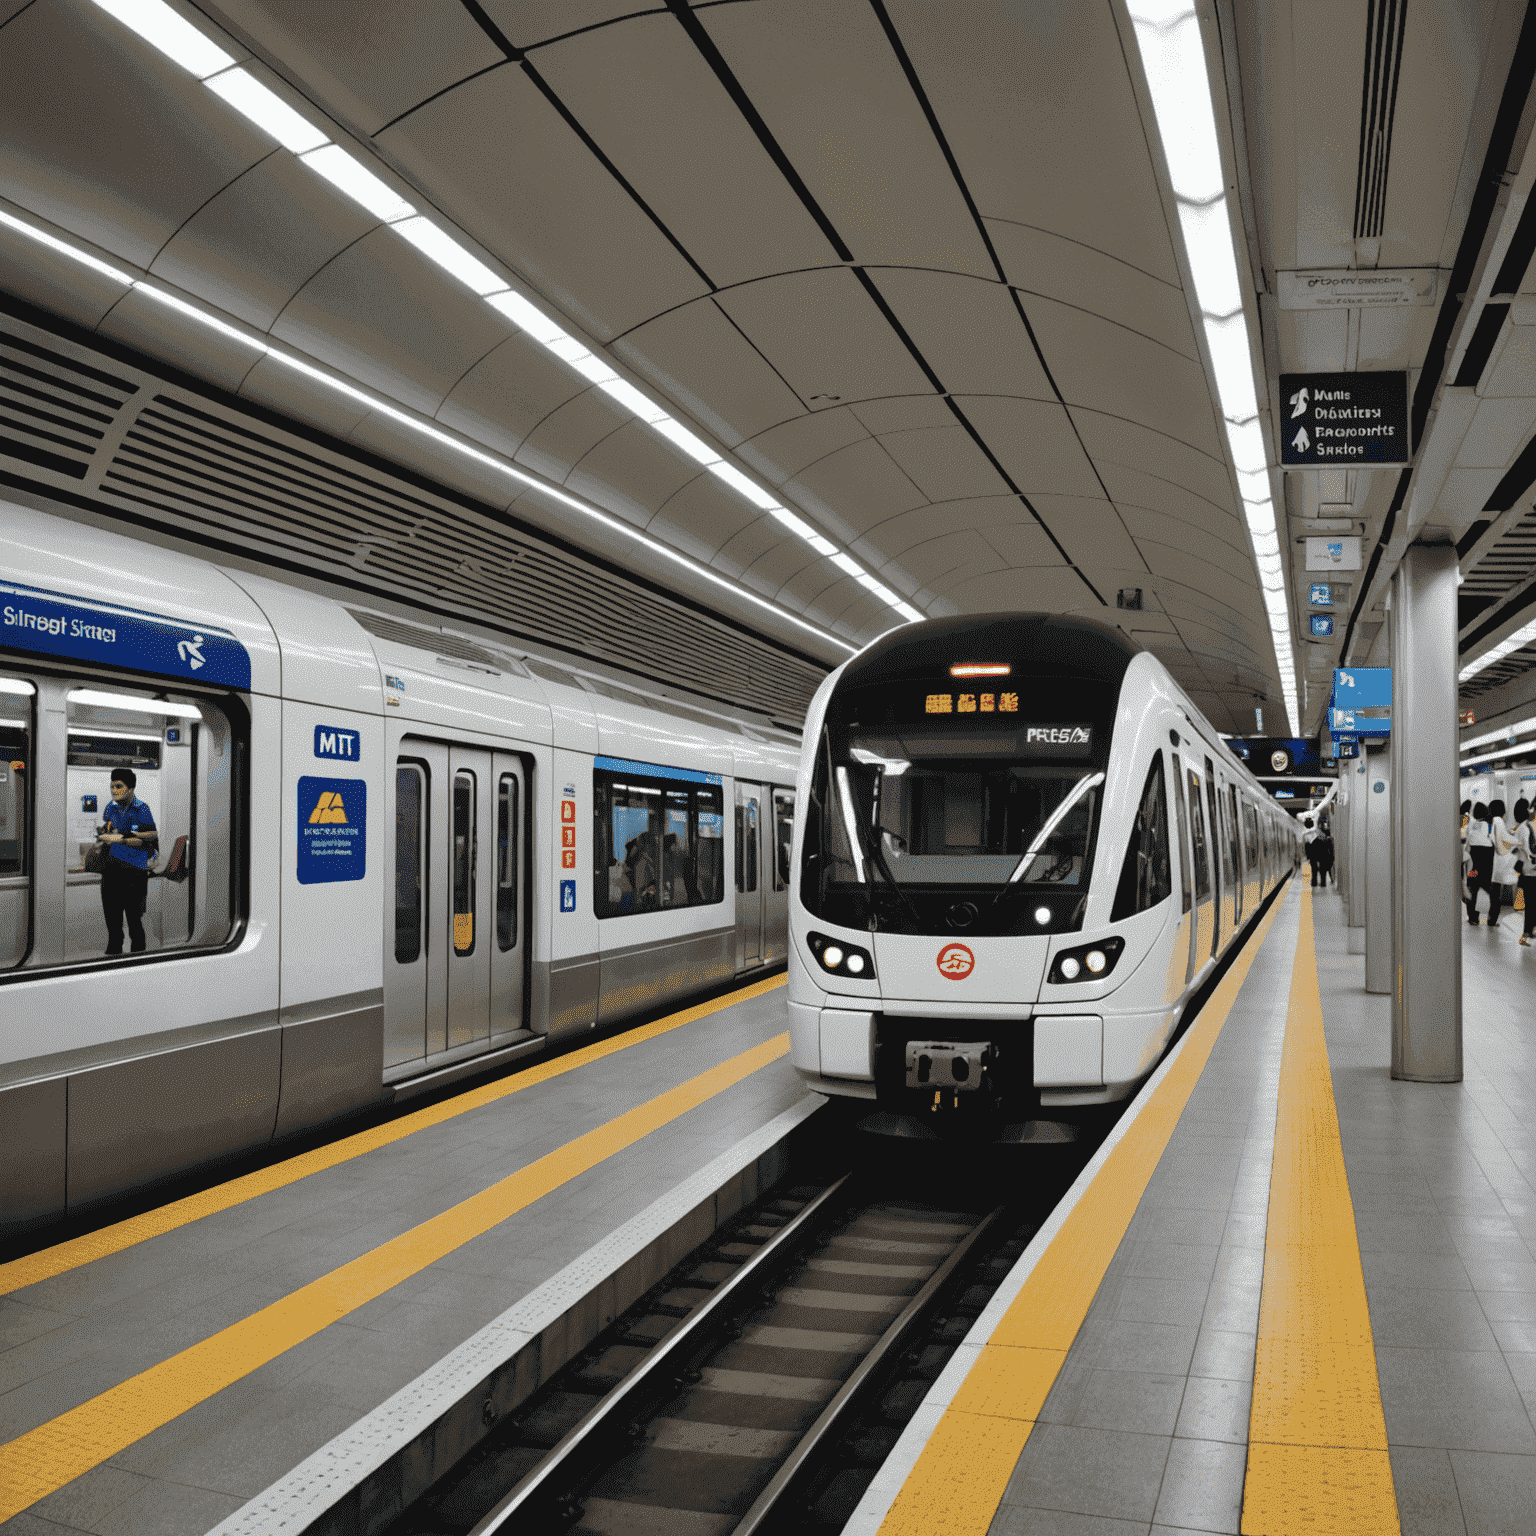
(1354, 901)
(1377, 785)
(1426, 830)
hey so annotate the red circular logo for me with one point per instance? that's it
(956, 962)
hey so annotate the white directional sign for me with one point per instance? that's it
(1403, 287)
(1337, 419)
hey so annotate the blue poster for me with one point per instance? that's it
(55, 624)
(333, 830)
(567, 895)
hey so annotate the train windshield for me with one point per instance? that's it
(927, 824)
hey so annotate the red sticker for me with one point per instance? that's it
(956, 962)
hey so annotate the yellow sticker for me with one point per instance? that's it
(463, 931)
(328, 808)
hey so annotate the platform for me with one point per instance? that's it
(1218, 1332)
(155, 1389)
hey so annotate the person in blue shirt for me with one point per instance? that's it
(130, 835)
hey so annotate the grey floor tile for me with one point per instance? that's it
(1426, 1319)
(1133, 1401)
(1016, 1520)
(1161, 1299)
(1434, 1272)
(1203, 1486)
(1164, 1349)
(168, 1509)
(1090, 1472)
(28, 1524)
(1458, 1426)
(1497, 1493)
(90, 1498)
(1214, 1409)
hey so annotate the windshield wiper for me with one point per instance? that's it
(1089, 781)
(862, 849)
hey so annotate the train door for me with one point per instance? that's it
(1205, 905)
(1234, 822)
(1220, 857)
(1182, 961)
(778, 834)
(455, 976)
(749, 881)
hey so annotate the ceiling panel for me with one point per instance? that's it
(686, 150)
(35, 274)
(1497, 431)
(1113, 440)
(139, 321)
(435, 333)
(1514, 367)
(701, 517)
(555, 215)
(570, 432)
(375, 64)
(855, 488)
(1091, 532)
(508, 393)
(899, 533)
(699, 358)
(1036, 589)
(632, 472)
(102, 137)
(833, 94)
(1038, 108)
(783, 451)
(1034, 442)
(825, 336)
(1134, 489)
(944, 462)
(254, 244)
(277, 388)
(904, 413)
(527, 23)
(1023, 544)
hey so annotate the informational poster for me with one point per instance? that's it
(333, 830)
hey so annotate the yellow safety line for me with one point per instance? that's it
(1317, 1439)
(44, 1459)
(959, 1478)
(86, 1249)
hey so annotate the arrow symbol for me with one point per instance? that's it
(1301, 442)
(1299, 402)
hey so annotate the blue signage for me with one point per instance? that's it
(55, 624)
(1322, 625)
(1320, 595)
(1362, 687)
(652, 771)
(332, 741)
(567, 895)
(333, 830)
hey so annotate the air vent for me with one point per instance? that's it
(550, 673)
(1378, 110)
(1508, 561)
(54, 411)
(383, 627)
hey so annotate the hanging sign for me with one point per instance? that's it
(1403, 288)
(1332, 419)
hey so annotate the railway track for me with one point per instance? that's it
(757, 1389)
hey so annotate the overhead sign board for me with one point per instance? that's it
(1401, 288)
(1320, 595)
(1322, 626)
(1333, 419)
(1336, 552)
(1362, 687)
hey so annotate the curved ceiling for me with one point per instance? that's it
(907, 265)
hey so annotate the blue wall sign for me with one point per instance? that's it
(567, 895)
(1362, 687)
(653, 771)
(332, 741)
(333, 830)
(55, 624)
(1320, 595)
(1322, 625)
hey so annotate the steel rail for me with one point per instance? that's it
(546, 1480)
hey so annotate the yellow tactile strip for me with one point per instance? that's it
(43, 1460)
(958, 1481)
(86, 1249)
(1317, 1452)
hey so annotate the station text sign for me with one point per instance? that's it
(1329, 419)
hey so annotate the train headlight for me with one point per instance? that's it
(841, 959)
(1042, 915)
(1098, 960)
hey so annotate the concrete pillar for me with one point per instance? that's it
(1378, 869)
(1339, 813)
(1426, 829)
(1354, 904)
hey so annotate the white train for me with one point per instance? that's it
(387, 855)
(1021, 850)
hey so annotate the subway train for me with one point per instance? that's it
(1020, 853)
(386, 856)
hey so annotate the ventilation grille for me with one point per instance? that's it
(1510, 560)
(1378, 109)
(55, 412)
(382, 627)
(1505, 670)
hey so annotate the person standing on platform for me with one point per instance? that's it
(1480, 875)
(1525, 865)
(129, 832)
(1324, 845)
(1503, 859)
(1310, 838)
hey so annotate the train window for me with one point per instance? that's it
(657, 844)
(1179, 811)
(746, 845)
(1218, 842)
(1251, 838)
(1197, 838)
(783, 835)
(139, 790)
(1236, 832)
(1146, 878)
(506, 862)
(410, 826)
(465, 857)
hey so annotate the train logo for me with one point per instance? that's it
(956, 962)
(191, 651)
(329, 809)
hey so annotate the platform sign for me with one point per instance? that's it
(333, 830)
(1362, 687)
(1347, 746)
(1322, 626)
(1320, 595)
(1332, 419)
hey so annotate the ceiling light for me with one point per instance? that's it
(1519, 728)
(160, 296)
(822, 546)
(734, 478)
(908, 612)
(1230, 357)
(16, 686)
(175, 37)
(1520, 638)
(527, 317)
(136, 706)
(845, 562)
(1488, 757)
(1208, 239)
(680, 437)
(590, 366)
(74, 253)
(632, 400)
(436, 245)
(351, 177)
(249, 97)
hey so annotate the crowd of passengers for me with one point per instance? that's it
(1497, 853)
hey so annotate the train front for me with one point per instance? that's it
(953, 788)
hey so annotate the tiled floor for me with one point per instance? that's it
(68, 1338)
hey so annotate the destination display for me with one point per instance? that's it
(1343, 418)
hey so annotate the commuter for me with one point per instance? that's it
(1525, 865)
(1325, 857)
(1503, 861)
(1480, 875)
(128, 830)
(1309, 842)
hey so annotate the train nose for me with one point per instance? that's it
(961, 967)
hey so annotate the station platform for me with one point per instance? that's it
(1288, 1295)
(157, 1374)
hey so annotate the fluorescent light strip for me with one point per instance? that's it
(178, 39)
(1168, 37)
(1521, 638)
(1519, 728)
(1488, 757)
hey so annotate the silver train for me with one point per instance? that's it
(1021, 851)
(387, 855)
